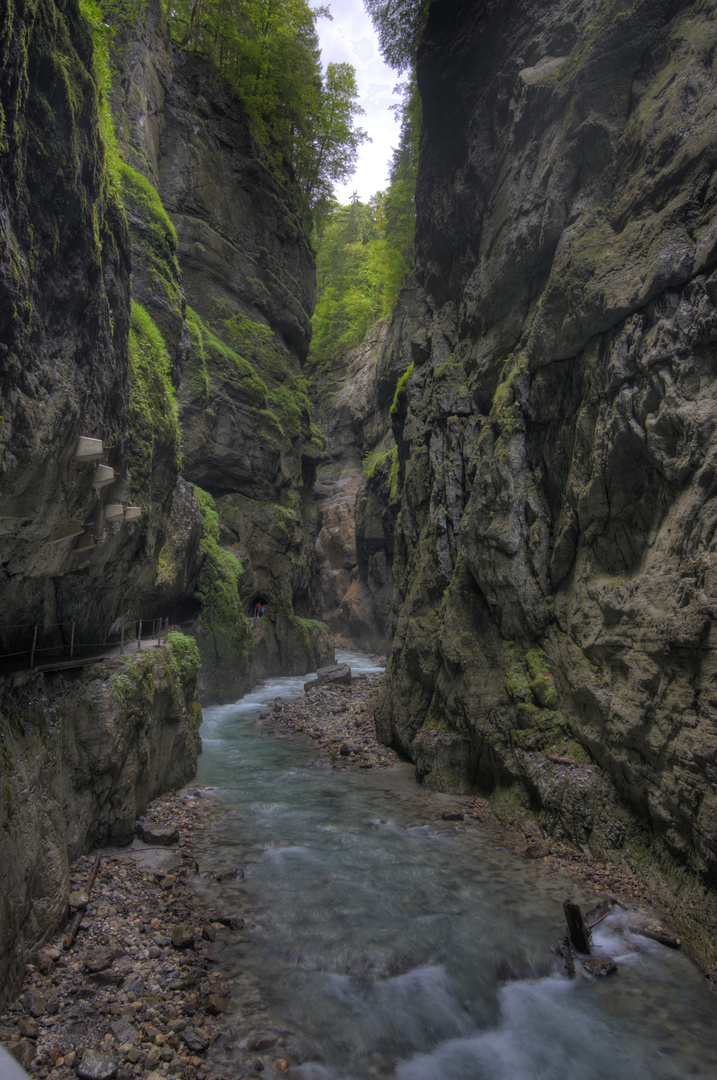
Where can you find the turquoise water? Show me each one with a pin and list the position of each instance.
(378, 937)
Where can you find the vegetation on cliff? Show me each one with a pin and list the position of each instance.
(221, 620)
(153, 417)
(365, 251)
(268, 53)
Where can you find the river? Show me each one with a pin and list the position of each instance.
(378, 937)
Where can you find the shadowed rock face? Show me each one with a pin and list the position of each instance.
(83, 755)
(240, 253)
(355, 507)
(555, 595)
(64, 313)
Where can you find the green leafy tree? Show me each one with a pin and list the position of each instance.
(398, 24)
(268, 52)
(329, 154)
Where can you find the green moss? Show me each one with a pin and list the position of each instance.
(185, 659)
(504, 396)
(122, 686)
(401, 391)
(221, 619)
(309, 630)
(291, 407)
(210, 357)
(517, 683)
(319, 437)
(153, 416)
(373, 461)
(541, 679)
(102, 33)
(286, 520)
(158, 237)
(133, 686)
(393, 478)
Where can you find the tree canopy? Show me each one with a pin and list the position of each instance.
(268, 52)
(365, 251)
(398, 24)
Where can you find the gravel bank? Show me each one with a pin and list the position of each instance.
(134, 996)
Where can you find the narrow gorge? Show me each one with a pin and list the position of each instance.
(509, 486)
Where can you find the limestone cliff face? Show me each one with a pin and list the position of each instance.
(221, 291)
(234, 309)
(356, 494)
(553, 616)
(64, 315)
(81, 757)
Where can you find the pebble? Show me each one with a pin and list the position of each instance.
(132, 995)
(97, 1066)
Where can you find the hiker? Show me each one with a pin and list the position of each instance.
(263, 608)
(259, 609)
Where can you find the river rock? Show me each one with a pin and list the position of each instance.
(29, 1027)
(35, 1003)
(261, 1043)
(124, 1032)
(23, 1050)
(599, 966)
(183, 937)
(162, 835)
(96, 1065)
(99, 959)
(195, 1040)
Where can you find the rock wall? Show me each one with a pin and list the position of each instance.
(64, 317)
(356, 506)
(81, 756)
(553, 618)
(216, 313)
(234, 310)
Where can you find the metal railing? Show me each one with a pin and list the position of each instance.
(61, 641)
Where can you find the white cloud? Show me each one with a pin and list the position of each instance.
(349, 38)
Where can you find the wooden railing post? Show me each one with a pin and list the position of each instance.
(139, 635)
(32, 650)
(122, 640)
(72, 640)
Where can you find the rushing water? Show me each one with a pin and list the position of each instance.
(379, 938)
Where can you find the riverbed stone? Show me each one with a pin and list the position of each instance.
(183, 937)
(163, 835)
(35, 1003)
(96, 1065)
(195, 1040)
(23, 1050)
(99, 959)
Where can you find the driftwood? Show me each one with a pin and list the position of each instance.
(598, 913)
(564, 951)
(77, 918)
(577, 929)
(656, 933)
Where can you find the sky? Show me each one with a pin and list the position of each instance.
(350, 37)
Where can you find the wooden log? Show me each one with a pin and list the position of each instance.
(576, 927)
(77, 918)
